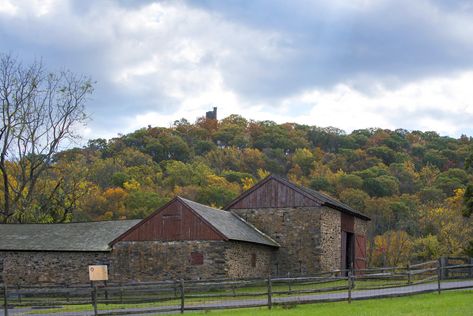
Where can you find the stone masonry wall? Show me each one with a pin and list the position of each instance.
(331, 241)
(140, 261)
(49, 267)
(361, 226)
(297, 230)
(239, 260)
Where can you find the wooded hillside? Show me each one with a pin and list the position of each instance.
(410, 183)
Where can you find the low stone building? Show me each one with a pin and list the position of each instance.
(183, 239)
(275, 227)
(315, 232)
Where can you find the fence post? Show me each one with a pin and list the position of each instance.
(121, 293)
(289, 281)
(5, 299)
(471, 268)
(443, 265)
(409, 281)
(353, 272)
(270, 292)
(439, 274)
(233, 287)
(349, 286)
(106, 292)
(18, 293)
(181, 288)
(94, 298)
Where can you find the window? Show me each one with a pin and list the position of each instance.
(197, 258)
(253, 260)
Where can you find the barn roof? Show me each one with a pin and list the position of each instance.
(88, 236)
(316, 196)
(230, 225)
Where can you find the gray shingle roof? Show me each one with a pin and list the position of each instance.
(90, 236)
(330, 201)
(230, 225)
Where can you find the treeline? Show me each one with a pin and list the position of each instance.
(410, 183)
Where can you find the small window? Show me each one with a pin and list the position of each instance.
(253, 260)
(197, 258)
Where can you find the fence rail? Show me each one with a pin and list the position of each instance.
(186, 295)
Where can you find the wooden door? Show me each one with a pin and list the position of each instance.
(360, 252)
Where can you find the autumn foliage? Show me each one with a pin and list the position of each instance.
(411, 183)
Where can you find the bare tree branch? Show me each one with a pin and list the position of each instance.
(39, 113)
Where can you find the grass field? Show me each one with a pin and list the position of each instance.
(447, 303)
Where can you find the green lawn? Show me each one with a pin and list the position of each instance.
(447, 303)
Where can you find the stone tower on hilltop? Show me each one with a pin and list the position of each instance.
(211, 115)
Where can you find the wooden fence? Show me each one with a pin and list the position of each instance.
(187, 295)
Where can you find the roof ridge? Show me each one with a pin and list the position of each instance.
(72, 223)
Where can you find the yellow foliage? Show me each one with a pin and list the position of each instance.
(216, 180)
(262, 173)
(131, 185)
(393, 248)
(247, 183)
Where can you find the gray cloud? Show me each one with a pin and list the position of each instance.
(162, 56)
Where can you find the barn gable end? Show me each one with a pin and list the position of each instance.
(174, 221)
(276, 192)
(272, 193)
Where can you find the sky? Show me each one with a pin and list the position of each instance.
(348, 64)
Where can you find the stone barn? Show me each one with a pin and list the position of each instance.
(182, 239)
(56, 253)
(190, 240)
(315, 232)
(275, 227)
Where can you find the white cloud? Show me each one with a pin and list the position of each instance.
(161, 61)
(7, 7)
(440, 104)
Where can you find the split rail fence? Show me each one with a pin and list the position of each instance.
(190, 295)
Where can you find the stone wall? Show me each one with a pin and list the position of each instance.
(297, 230)
(330, 226)
(245, 260)
(141, 261)
(361, 226)
(34, 267)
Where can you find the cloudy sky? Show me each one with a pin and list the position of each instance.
(349, 64)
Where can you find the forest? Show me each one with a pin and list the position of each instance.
(414, 185)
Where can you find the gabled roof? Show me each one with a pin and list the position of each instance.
(229, 224)
(316, 196)
(89, 236)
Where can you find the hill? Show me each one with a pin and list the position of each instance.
(411, 183)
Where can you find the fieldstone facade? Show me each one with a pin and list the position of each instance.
(141, 262)
(330, 243)
(245, 260)
(35, 267)
(361, 227)
(154, 260)
(303, 233)
(310, 237)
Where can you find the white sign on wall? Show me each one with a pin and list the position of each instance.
(98, 273)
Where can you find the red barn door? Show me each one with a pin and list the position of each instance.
(360, 252)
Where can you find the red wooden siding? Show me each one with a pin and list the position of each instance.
(174, 222)
(273, 194)
(360, 252)
(348, 223)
